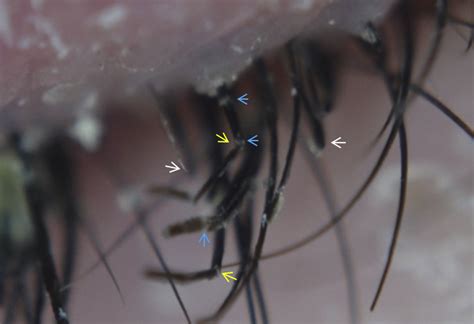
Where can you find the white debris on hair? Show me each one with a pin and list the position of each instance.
(87, 130)
(127, 199)
(313, 148)
(111, 17)
(368, 36)
(62, 314)
(264, 220)
(209, 87)
(280, 200)
(293, 92)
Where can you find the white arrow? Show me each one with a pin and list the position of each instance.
(336, 142)
(174, 167)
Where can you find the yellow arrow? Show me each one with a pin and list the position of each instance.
(223, 138)
(227, 276)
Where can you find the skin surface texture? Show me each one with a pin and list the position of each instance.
(84, 67)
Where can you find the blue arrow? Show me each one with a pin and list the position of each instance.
(253, 140)
(243, 99)
(204, 239)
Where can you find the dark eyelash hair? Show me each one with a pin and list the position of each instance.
(35, 198)
(310, 70)
(398, 87)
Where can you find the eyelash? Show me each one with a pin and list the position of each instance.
(230, 186)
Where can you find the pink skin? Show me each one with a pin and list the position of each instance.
(182, 42)
(56, 54)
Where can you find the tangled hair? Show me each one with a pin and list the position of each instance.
(293, 90)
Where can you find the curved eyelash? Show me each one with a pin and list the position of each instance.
(438, 104)
(377, 48)
(443, 108)
(231, 181)
(398, 128)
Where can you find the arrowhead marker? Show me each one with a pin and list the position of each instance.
(223, 138)
(227, 276)
(203, 239)
(243, 99)
(336, 142)
(253, 140)
(173, 167)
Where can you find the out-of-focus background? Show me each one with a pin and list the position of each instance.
(431, 279)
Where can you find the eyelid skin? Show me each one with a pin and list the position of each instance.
(238, 186)
(64, 58)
